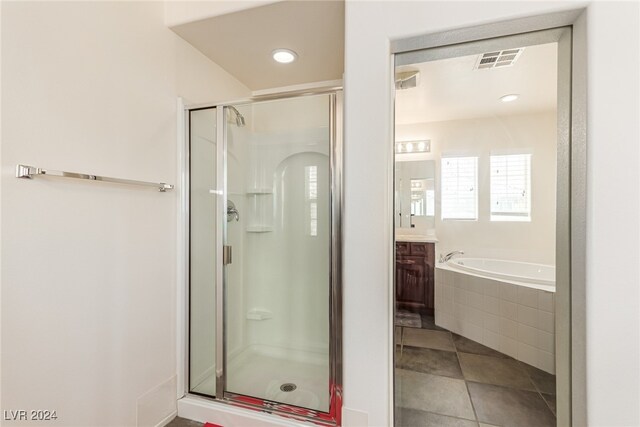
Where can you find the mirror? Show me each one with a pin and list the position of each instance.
(415, 194)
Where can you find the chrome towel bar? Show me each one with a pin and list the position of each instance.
(24, 171)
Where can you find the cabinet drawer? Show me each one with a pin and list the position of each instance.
(402, 248)
(421, 248)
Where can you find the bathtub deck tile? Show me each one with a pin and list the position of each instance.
(546, 341)
(527, 335)
(528, 316)
(473, 331)
(448, 292)
(475, 284)
(546, 321)
(475, 316)
(528, 297)
(460, 296)
(491, 305)
(545, 301)
(508, 292)
(491, 323)
(509, 346)
(509, 328)
(509, 310)
(490, 288)
(475, 300)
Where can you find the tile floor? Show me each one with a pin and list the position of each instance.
(183, 422)
(443, 379)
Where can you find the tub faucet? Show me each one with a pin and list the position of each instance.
(447, 257)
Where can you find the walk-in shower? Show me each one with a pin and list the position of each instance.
(264, 236)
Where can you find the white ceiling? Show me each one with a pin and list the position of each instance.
(450, 89)
(242, 42)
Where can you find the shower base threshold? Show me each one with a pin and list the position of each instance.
(205, 410)
(286, 376)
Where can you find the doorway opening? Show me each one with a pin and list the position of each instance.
(481, 230)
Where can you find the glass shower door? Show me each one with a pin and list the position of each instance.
(203, 251)
(277, 231)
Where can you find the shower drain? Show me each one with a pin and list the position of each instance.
(287, 387)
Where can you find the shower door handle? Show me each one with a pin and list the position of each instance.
(226, 255)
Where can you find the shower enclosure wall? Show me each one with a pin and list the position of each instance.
(264, 291)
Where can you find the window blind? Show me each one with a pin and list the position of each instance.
(511, 187)
(459, 177)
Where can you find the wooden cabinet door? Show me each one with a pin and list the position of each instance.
(415, 262)
(411, 281)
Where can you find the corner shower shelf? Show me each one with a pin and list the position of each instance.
(257, 191)
(258, 314)
(220, 192)
(259, 229)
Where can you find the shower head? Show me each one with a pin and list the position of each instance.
(240, 122)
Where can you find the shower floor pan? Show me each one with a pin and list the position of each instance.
(268, 372)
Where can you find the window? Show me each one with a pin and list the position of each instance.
(422, 197)
(311, 195)
(459, 187)
(511, 187)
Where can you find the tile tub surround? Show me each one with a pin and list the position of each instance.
(514, 320)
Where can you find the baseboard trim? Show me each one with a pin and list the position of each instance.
(168, 419)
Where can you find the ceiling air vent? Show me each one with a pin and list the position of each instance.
(407, 79)
(498, 59)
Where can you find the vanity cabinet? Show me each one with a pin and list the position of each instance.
(414, 275)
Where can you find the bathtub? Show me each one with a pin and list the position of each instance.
(505, 305)
(520, 273)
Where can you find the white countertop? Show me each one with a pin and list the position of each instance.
(421, 238)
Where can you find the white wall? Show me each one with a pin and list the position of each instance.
(613, 307)
(183, 11)
(89, 277)
(613, 231)
(533, 134)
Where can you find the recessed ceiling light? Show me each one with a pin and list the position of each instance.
(509, 98)
(284, 56)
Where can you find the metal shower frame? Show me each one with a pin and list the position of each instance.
(333, 416)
